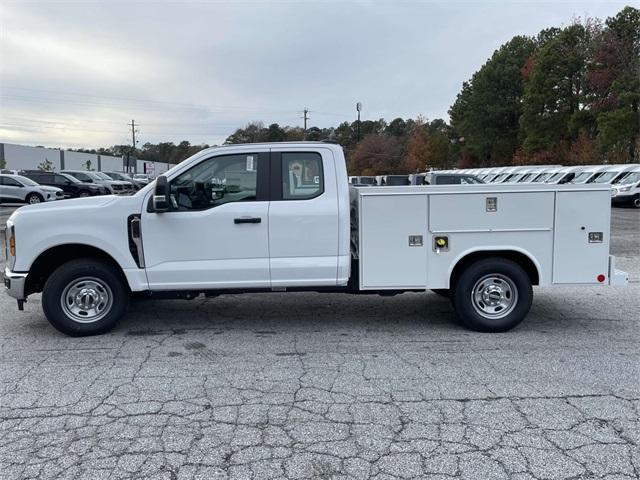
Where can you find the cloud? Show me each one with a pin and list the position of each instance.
(75, 73)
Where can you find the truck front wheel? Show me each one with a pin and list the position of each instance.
(84, 297)
(492, 295)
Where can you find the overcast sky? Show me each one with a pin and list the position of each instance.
(74, 73)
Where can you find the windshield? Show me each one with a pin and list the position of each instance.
(606, 177)
(525, 177)
(514, 178)
(26, 181)
(581, 177)
(71, 178)
(542, 177)
(554, 177)
(631, 177)
(140, 176)
(102, 176)
(468, 179)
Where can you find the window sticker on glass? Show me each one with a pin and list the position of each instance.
(251, 163)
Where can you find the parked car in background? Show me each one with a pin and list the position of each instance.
(394, 180)
(91, 177)
(363, 181)
(612, 173)
(514, 175)
(16, 188)
(588, 174)
(124, 177)
(142, 178)
(544, 175)
(71, 186)
(127, 187)
(530, 173)
(564, 175)
(626, 191)
(437, 178)
(492, 173)
(416, 179)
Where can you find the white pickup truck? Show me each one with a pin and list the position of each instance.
(282, 217)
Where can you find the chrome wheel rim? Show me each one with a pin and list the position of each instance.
(86, 300)
(494, 296)
(33, 199)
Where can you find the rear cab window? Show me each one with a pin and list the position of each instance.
(302, 175)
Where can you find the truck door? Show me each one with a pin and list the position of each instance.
(303, 218)
(216, 232)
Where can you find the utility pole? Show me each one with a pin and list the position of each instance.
(133, 135)
(133, 145)
(304, 132)
(358, 108)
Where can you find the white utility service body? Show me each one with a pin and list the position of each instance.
(282, 216)
(548, 224)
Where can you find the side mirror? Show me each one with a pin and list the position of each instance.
(161, 195)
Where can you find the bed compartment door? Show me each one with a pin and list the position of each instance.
(389, 259)
(576, 259)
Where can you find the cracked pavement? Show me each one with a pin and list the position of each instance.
(304, 385)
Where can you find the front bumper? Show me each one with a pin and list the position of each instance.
(15, 284)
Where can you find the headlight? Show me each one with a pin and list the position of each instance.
(625, 189)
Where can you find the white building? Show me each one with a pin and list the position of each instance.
(22, 157)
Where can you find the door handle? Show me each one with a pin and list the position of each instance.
(247, 220)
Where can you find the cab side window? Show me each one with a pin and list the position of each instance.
(302, 176)
(59, 180)
(216, 181)
(10, 182)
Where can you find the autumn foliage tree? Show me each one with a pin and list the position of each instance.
(376, 155)
(574, 98)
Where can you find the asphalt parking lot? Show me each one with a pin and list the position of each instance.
(330, 386)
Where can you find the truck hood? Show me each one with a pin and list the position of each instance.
(76, 207)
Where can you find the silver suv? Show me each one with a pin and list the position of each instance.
(16, 188)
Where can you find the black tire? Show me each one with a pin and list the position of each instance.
(443, 292)
(84, 193)
(496, 279)
(636, 201)
(98, 279)
(34, 199)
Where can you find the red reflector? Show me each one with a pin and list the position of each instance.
(601, 278)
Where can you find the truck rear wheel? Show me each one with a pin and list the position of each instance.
(492, 295)
(84, 297)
